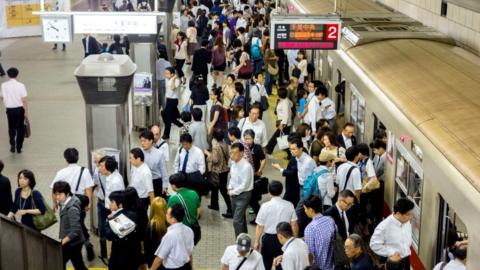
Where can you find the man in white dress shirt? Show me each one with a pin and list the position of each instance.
(393, 236)
(160, 143)
(80, 179)
(295, 251)
(327, 106)
(190, 160)
(14, 96)
(240, 187)
(99, 181)
(253, 122)
(156, 162)
(305, 163)
(175, 250)
(141, 179)
(270, 215)
(108, 167)
(242, 254)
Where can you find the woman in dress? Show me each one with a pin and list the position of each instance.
(219, 61)
(217, 118)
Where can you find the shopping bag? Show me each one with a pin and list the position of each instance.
(282, 142)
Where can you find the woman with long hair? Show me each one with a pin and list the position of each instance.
(181, 46)
(219, 61)
(156, 228)
(331, 145)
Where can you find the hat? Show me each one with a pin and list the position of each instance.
(326, 156)
(244, 242)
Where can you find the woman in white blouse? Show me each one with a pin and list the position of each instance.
(302, 65)
(192, 40)
(181, 45)
(284, 119)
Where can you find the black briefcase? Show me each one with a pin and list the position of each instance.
(261, 185)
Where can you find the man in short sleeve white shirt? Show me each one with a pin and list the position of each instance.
(108, 167)
(354, 181)
(326, 105)
(141, 177)
(253, 122)
(270, 215)
(14, 96)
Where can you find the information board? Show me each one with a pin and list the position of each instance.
(308, 32)
(19, 12)
(115, 23)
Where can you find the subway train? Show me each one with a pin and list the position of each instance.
(397, 77)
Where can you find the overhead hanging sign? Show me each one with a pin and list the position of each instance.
(114, 23)
(313, 32)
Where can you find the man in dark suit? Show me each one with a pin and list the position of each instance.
(90, 45)
(201, 58)
(346, 139)
(339, 212)
(5, 193)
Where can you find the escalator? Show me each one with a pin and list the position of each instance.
(22, 248)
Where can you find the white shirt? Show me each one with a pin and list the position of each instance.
(325, 185)
(347, 223)
(241, 22)
(164, 149)
(169, 93)
(232, 258)
(157, 164)
(355, 179)
(292, 57)
(312, 115)
(305, 165)
(284, 112)
(256, 92)
(273, 212)
(13, 92)
(391, 236)
(258, 127)
(327, 107)
(142, 180)
(195, 162)
(452, 265)
(99, 180)
(114, 182)
(70, 175)
(295, 254)
(176, 246)
(368, 170)
(348, 141)
(241, 177)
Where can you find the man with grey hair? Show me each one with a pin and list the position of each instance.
(160, 143)
(354, 249)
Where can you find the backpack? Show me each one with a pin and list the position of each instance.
(310, 185)
(255, 51)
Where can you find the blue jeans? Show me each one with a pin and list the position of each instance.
(257, 66)
(102, 223)
(269, 79)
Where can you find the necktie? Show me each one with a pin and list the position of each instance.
(185, 161)
(343, 220)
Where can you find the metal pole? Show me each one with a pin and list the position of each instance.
(156, 5)
(335, 6)
(42, 5)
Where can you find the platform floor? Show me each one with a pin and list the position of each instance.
(57, 116)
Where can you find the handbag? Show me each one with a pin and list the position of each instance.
(282, 141)
(28, 131)
(261, 185)
(46, 220)
(264, 103)
(246, 71)
(84, 200)
(273, 70)
(213, 178)
(339, 256)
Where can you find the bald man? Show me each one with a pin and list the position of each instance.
(160, 143)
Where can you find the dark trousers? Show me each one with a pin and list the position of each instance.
(74, 254)
(187, 266)
(102, 223)
(239, 206)
(145, 203)
(179, 66)
(273, 140)
(404, 261)
(223, 190)
(83, 214)
(157, 188)
(16, 126)
(255, 199)
(271, 248)
(170, 115)
(2, 72)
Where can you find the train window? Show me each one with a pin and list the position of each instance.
(409, 183)
(357, 112)
(451, 231)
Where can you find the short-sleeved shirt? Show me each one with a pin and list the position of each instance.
(169, 93)
(70, 175)
(191, 200)
(176, 246)
(13, 92)
(142, 180)
(273, 212)
(355, 179)
(367, 168)
(258, 155)
(232, 258)
(221, 120)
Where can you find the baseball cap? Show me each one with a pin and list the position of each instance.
(326, 156)
(244, 242)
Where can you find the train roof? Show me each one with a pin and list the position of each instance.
(436, 85)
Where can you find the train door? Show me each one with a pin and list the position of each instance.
(409, 184)
(451, 231)
(357, 113)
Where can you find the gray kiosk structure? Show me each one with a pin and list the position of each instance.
(105, 81)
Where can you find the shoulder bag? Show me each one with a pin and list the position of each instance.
(246, 71)
(46, 220)
(339, 256)
(197, 231)
(84, 200)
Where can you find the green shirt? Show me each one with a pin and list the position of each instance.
(191, 200)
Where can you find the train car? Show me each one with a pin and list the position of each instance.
(423, 91)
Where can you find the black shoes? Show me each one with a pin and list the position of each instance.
(213, 208)
(90, 252)
(12, 149)
(19, 151)
(227, 215)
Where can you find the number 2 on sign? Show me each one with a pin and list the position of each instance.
(332, 31)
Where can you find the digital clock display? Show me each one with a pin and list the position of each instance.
(320, 35)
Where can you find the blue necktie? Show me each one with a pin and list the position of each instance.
(185, 161)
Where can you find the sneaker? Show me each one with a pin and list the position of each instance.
(250, 211)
